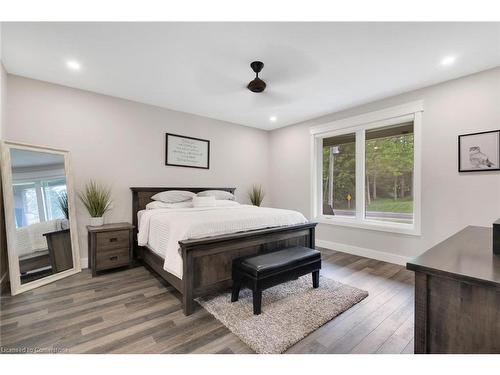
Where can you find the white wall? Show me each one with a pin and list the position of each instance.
(3, 244)
(450, 200)
(3, 96)
(122, 143)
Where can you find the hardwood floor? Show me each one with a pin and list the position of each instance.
(132, 311)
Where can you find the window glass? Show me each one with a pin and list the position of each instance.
(389, 173)
(339, 175)
(52, 191)
(38, 201)
(26, 205)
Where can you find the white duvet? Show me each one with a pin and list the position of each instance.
(162, 229)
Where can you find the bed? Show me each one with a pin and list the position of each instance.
(206, 261)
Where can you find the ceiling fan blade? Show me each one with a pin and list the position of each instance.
(270, 99)
(216, 82)
(278, 69)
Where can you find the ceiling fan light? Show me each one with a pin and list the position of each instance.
(257, 85)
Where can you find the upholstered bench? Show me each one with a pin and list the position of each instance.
(263, 271)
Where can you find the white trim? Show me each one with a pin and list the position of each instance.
(364, 252)
(366, 118)
(380, 123)
(359, 124)
(316, 167)
(382, 226)
(360, 175)
(84, 263)
(417, 173)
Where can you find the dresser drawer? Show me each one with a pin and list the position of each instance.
(112, 258)
(112, 240)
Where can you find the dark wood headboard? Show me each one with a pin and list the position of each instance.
(141, 196)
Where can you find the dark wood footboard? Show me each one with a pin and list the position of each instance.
(207, 262)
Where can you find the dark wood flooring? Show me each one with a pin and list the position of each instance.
(132, 311)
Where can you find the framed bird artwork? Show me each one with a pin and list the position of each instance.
(479, 151)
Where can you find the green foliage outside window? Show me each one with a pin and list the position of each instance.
(388, 174)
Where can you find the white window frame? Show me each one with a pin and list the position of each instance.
(41, 198)
(359, 125)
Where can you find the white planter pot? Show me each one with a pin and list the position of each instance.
(96, 221)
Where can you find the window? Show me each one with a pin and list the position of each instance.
(367, 171)
(339, 175)
(389, 173)
(37, 201)
(52, 191)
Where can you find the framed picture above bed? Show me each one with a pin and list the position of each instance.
(182, 151)
(479, 151)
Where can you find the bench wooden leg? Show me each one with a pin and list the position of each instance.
(235, 294)
(257, 301)
(315, 276)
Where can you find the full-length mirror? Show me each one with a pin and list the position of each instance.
(40, 218)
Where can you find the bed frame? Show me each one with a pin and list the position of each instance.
(207, 261)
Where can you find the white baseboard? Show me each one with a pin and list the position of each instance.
(84, 263)
(364, 252)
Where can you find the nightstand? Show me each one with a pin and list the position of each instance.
(110, 246)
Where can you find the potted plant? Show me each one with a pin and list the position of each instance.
(97, 199)
(62, 201)
(256, 195)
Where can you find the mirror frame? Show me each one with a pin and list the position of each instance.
(8, 195)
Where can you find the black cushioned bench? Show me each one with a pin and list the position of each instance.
(263, 271)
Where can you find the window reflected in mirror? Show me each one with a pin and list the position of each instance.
(43, 243)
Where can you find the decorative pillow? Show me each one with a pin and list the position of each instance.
(204, 201)
(158, 204)
(218, 194)
(173, 196)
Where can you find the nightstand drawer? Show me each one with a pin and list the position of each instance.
(112, 240)
(112, 258)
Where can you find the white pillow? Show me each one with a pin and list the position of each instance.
(218, 194)
(223, 203)
(203, 201)
(173, 196)
(158, 204)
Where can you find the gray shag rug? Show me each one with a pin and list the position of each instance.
(290, 312)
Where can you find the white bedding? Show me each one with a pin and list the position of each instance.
(162, 229)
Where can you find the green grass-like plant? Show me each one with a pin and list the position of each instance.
(96, 198)
(62, 201)
(256, 195)
(403, 205)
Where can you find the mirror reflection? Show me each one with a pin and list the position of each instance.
(43, 242)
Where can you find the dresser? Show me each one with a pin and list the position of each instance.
(60, 250)
(457, 295)
(110, 246)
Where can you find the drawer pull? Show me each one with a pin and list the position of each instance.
(113, 257)
(114, 239)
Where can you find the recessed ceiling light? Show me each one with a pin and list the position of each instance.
(73, 65)
(448, 60)
(273, 118)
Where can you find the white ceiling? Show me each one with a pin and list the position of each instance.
(311, 69)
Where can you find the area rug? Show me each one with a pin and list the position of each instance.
(290, 312)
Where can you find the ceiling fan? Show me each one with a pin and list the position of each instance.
(257, 85)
